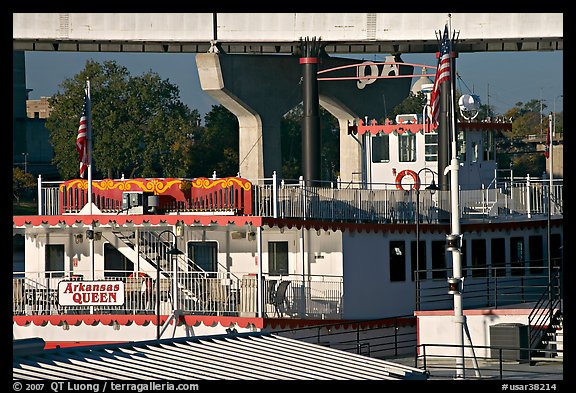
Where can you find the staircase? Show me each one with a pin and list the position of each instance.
(546, 326)
(552, 342)
(152, 253)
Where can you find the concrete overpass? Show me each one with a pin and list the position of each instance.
(250, 86)
(280, 32)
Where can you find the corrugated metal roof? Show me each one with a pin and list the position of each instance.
(242, 356)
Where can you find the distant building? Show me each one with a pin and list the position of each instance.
(38, 109)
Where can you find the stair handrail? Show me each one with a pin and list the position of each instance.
(547, 301)
(164, 248)
(152, 261)
(188, 261)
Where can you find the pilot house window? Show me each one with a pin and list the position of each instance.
(381, 148)
(407, 147)
(431, 147)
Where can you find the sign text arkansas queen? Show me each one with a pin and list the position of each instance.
(91, 293)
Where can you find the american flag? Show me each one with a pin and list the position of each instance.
(547, 147)
(442, 75)
(81, 139)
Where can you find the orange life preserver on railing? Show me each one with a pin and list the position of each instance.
(407, 172)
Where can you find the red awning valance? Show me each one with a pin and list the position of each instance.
(150, 219)
(388, 127)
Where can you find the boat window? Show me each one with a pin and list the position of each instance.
(204, 255)
(498, 257)
(517, 256)
(277, 258)
(418, 264)
(431, 147)
(461, 146)
(397, 261)
(535, 248)
(381, 148)
(439, 259)
(488, 145)
(115, 263)
(556, 250)
(407, 147)
(474, 151)
(478, 256)
(54, 260)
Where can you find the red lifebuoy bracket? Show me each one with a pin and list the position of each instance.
(407, 172)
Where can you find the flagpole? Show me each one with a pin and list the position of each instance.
(549, 215)
(454, 241)
(89, 142)
(89, 168)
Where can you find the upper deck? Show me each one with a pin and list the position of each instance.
(506, 199)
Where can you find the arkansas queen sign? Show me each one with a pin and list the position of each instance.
(91, 293)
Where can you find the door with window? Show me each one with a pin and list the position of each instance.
(278, 258)
(54, 260)
(204, 255)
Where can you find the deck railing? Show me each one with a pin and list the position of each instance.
(199, 293)
(357, 202)
(488, 286)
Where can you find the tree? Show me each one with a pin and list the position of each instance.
(216, 146)
(21, 182)
(527, 119)
(413, 104)
(139, 125)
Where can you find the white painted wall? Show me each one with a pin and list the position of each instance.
(368, 291)
(441, 329)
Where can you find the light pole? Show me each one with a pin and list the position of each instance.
(433, 188)
(172, 252)
(25, 162)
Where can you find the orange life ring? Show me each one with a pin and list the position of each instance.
(407, 172)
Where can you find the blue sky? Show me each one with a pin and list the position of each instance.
(499, 78)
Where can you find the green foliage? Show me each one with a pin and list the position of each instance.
(414, 103)
(21, 182)
(533, 164)
(216, 145)
(527, 119)
(139, 125)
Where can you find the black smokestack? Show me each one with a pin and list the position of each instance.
(310, 50)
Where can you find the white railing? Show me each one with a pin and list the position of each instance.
(200, 293)
(385, 204)
(382, 203)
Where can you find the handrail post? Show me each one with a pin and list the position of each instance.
(39, 195)
(395, 337)
(274, 195)
(500, 362)
(424, 354)
(496, 291)
(528, 207)
(358, 338)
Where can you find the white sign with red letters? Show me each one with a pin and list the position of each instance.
(91, 293)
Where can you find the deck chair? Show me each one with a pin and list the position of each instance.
(218, 297)
(133, 299)
(280, 299)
